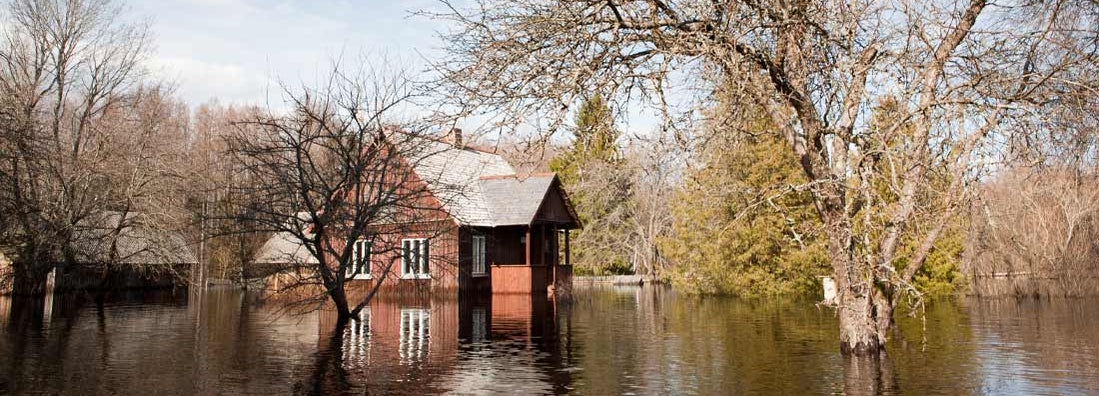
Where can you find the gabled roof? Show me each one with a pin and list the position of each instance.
(515, 200)
(284, 248)
(479, 188)
(137, 242)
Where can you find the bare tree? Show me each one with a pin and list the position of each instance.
(655, 171)
(1034, 234)
(337, 172)
(1033, 228)
(65, 68)
(817, 68)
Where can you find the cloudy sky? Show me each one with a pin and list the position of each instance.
(237, 50)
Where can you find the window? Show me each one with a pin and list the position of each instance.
(415, 331)
(414, 255)
(479, 268)
(360, 260)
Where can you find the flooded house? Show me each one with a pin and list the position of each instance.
(501, 232)
(124, 250)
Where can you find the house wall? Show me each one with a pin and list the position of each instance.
(512, 279)
(507, 248)
(554, 208)
(474, 284)
(158, 276)
(516, 277)
(443, 258)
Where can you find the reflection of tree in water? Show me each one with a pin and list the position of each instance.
(328, 374)
(868, 375)
(933, 349)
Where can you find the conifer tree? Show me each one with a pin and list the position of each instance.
(592, 170)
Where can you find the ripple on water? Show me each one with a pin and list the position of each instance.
(603, 341)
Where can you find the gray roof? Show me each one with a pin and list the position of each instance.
(100, 239)
(454, 176)
(515, 200)
(284, 248)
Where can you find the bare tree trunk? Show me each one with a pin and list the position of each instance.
(857, 308)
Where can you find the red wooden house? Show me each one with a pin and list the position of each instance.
(500, 232)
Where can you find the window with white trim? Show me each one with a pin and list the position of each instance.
(359, 268)
(414, 258)
(479, 265)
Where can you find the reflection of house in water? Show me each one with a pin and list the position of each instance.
(411, 345)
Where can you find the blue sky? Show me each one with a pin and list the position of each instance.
(237, 50)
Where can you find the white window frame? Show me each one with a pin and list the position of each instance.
(415, 258)
(480, 263)
(360, 262)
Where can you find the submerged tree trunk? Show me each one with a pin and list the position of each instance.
(28, 280)
(858, 301)
(339, 298)
(860, 332)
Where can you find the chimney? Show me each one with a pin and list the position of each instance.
(455, 137)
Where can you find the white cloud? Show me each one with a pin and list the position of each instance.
(235, 49)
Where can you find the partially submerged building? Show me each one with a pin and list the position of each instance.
(118, 250)
(499, 232)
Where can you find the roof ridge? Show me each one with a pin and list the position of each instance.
(519, 176)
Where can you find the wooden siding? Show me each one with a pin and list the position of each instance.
(512, 279)
(555, 209)
(443, 257)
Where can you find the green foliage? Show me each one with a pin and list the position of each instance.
(940, 275)
(739, 226)
(591, 171)
(593, 139)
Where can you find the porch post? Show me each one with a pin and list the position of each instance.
(568, 254)
(529, 242)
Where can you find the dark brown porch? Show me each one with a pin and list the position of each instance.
(531, 259)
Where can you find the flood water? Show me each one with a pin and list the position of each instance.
(603, 341)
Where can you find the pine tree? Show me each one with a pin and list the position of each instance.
(591, 171)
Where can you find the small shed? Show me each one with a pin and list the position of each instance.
(125, 250)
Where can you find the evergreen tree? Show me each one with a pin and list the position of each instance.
(591, 171)
(941, 273)
(740, 226)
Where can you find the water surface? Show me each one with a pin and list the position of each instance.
(602, 341)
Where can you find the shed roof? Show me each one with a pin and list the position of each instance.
(136, 242)
(516, 200)
(284, 248)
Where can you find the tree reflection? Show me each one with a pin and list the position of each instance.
(329, 375)
(869, 375)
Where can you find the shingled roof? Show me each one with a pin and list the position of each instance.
(515, 200)
(136, 241)
(479, 188)
(284, 248)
